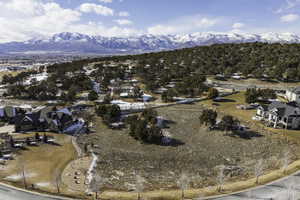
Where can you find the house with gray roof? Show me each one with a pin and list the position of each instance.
(280, 115)
(293, 95)
(50, 119)
(8, 113)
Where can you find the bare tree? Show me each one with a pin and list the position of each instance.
(285, 161)
(139, 185)
(183, 182)
(96, 184)
(57, 180)
(221, 178)
(23, 172)
(258, 170)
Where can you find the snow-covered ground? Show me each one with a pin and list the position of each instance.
(7, 129)
(15, 177)
(90, 173)
(43, 184)
(38, 77)
(125, 106)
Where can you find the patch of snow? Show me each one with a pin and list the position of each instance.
(15, 177)
(93, 165)
(43, 184)
(38, 77)
(167, 137)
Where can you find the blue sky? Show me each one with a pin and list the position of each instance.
(25, 19)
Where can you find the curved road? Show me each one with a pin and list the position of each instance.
(287, 188)
(12, 193)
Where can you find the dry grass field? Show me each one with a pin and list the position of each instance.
(42, 164)
(199, 153)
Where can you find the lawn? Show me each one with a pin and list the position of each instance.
(42, 164)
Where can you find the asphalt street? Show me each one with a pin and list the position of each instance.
(287, 188)
(9, 193)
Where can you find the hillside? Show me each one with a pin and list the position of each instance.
(187, 67)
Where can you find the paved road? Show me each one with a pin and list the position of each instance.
(9, 193)
(284, 189)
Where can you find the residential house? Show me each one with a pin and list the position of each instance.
(8, 113)
(280, 115)
(50, 119)
(147, 97)
(293, 95)
(28, 122)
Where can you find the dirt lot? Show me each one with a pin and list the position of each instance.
(199, 155)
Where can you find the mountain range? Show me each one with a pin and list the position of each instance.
(76, 43)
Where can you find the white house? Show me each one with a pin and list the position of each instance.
(280, 115)
(293, 94)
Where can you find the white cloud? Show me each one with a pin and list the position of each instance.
(183, 25)
(94, 8)
(26, 19)
(289, 4)
(106, 1)
(124, 14)
(123, 22)
(238, 25)
(289, 18)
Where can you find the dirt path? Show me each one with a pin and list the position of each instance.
(77, 148)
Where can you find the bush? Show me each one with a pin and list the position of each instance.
(144, 128)
(93, 96)
(109, 113)
(208, 117)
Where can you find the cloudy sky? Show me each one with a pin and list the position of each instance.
(24, 19)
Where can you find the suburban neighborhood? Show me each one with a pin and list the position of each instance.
(149, 100)
(109, 102)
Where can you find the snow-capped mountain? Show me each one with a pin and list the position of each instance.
(77, 43)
